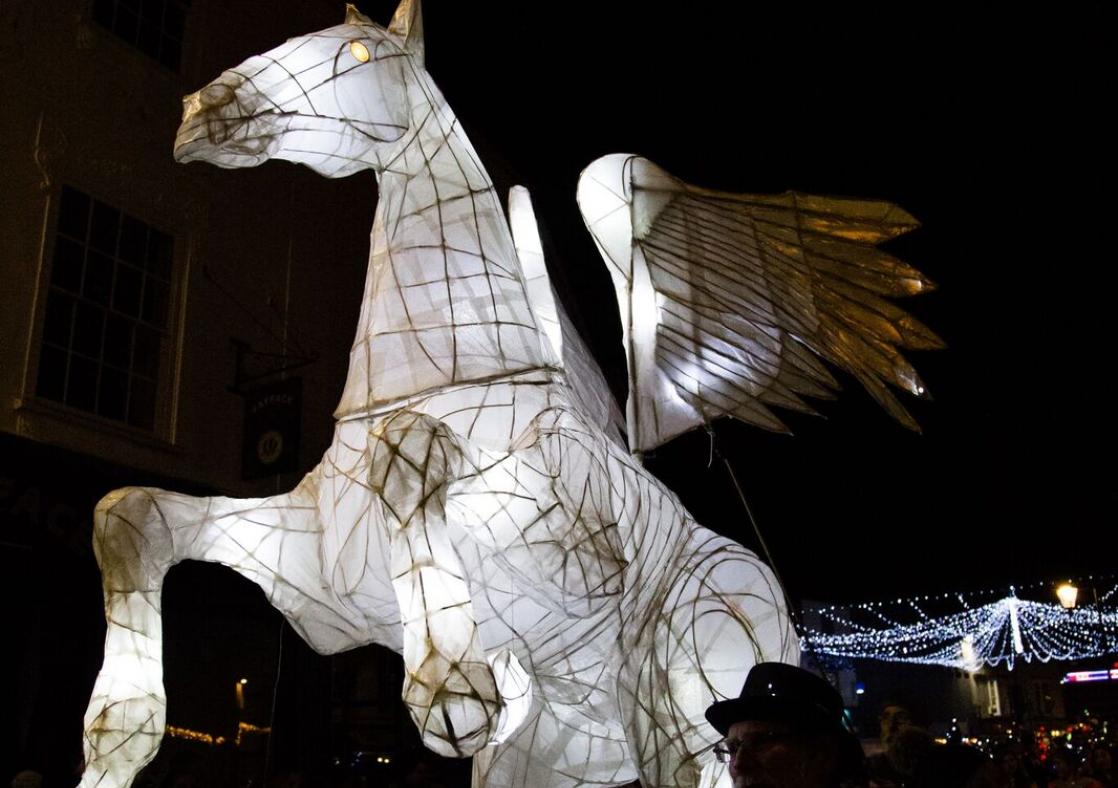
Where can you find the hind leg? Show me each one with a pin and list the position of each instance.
(138, 535)
(721, 613)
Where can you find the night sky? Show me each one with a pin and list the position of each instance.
(988, 128)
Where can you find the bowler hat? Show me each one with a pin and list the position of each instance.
(775, 691)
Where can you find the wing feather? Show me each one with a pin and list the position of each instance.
(731, 302)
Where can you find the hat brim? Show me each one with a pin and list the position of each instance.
(803, 717)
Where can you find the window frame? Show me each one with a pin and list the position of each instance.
(110, 31)
(167, 383)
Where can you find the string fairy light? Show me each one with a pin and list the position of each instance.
(1002, 631)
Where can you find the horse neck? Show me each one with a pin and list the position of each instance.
(445, 301)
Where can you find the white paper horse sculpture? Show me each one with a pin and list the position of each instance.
(560, 615)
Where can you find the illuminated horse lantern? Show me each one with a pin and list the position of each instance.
(560, 615)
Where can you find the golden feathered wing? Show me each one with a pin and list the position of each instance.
(729, 302)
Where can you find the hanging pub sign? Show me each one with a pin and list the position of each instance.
(273, 421)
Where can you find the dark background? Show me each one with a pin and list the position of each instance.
(986, 125)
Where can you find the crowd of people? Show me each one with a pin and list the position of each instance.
(789, 729)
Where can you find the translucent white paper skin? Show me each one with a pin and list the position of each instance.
(560, 615)
(584, 376)
(729, 301)
(529, 249)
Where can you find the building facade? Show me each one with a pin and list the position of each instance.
(154, 316)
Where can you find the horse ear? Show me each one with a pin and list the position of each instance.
(407, 24)
(355, 17)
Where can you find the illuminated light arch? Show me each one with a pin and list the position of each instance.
(1003, 631)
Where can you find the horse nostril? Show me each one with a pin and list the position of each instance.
(210, 98)
(214, 96)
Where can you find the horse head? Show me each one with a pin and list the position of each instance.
(335, 100)
(357, 96)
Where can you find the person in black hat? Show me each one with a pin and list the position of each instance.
(786, 730)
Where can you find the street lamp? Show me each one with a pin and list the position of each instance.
(241, 693)
(1067, 594)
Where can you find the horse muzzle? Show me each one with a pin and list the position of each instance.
(221, 127)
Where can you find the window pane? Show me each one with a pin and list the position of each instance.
(59, 318)
(141, 404)
(145, 355)
(170, 53)
(73, 213)
(148, 41)
(152, 11)
(174, 18)
(52, 373)
(66, 271)
(113, 396)
(126, 294)
(81, 387)
(89, 326)
(107, 306)
(155, 27)
(98, 278)
(133, 241)
(126, 24)
(104, 227)
(118, 341)
(103, 12)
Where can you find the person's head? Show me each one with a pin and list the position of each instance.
(787, 730)
(894, 716)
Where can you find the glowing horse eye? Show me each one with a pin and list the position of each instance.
(359, 51)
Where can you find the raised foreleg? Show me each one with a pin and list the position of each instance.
(449, 687)
(139, 534)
